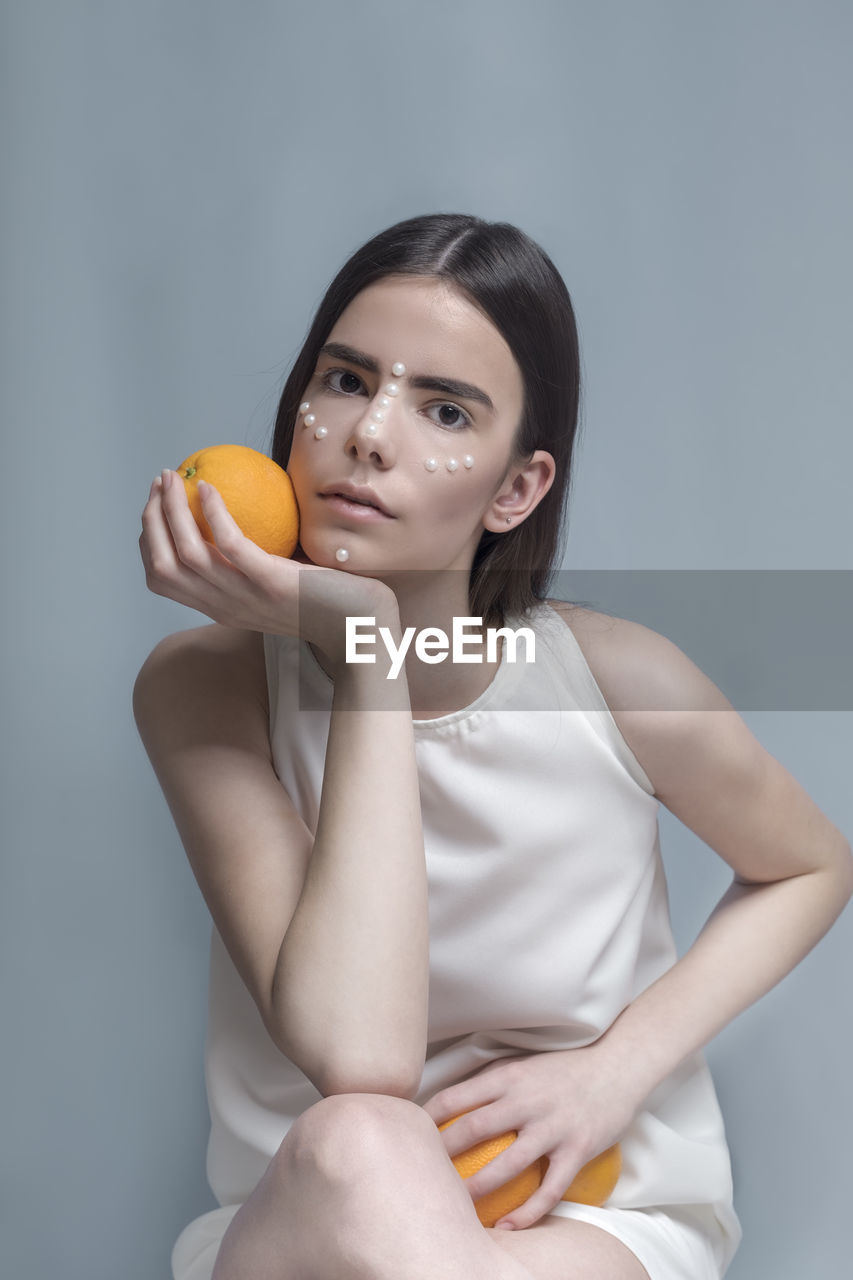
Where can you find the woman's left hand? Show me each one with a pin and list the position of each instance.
(566, 1105)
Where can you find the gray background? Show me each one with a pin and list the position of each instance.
(181, 181)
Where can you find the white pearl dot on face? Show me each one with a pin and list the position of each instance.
(392, 389)
(304, 407)
(370, 429)
(321, 433)
(342, 554)
(377, 415)
(384, 402)
(310, 419)
(468, 461)
(431, 464)
(452, 464)
(398, 369)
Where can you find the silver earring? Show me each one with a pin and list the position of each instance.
(509, 519)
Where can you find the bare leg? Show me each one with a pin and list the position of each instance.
(362, 1189)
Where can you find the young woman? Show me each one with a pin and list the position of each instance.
(440, 891)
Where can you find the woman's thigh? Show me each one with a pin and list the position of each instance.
(558, 1249)
(583, 1243)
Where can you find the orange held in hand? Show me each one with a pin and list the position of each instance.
(593, 1184)
(257, 492)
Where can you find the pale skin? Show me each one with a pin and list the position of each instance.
(336, 958)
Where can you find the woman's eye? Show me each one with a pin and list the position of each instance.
(348, 383)
(451, 416)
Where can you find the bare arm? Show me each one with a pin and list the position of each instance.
(793, 872)
(330, 933)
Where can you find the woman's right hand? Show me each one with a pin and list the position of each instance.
(238, 584)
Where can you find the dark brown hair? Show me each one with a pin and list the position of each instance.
(516, 285)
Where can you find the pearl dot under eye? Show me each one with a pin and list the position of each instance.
(398, 369)
(310, 419)
(392, 389)
(431, 464)
(342, 554)
(452, 464)
(468, 461)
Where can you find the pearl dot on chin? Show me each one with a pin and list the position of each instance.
(321, 432)
(468, 461)
(398, 369)
(342, 554)
(431, 464)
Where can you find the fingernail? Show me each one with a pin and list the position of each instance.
(164, 479)
(505, 1226)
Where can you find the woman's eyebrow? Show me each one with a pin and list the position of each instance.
(424, 382)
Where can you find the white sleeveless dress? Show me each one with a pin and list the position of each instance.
(548, 915)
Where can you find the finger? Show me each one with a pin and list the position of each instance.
(485, 1122)
(463, 1097)
(192, 549)
(230, 539)
(548, 1194)
(515, 1159)
(165, 572)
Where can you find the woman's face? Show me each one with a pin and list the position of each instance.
(417, 397)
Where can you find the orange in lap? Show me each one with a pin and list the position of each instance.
(593, 1184)
(257, 492)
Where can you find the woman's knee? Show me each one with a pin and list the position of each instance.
(346, 1134)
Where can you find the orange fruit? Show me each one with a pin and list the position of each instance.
(593, 1184)
(257, 492)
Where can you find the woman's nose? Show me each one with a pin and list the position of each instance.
(370, 436)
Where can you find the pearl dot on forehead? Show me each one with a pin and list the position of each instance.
(342, 554)
(398, 369)
(431, 464)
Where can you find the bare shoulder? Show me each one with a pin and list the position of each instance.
(636, 668)
(200, 671)
(703, 760)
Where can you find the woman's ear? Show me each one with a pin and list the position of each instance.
(523, 488)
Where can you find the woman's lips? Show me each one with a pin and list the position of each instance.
(353, 510)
